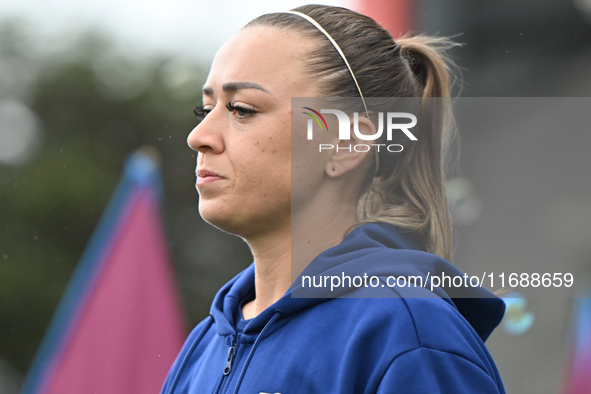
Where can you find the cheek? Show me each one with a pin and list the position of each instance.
(276, 155)
(262, 157)
(263, 164)
(307, 161)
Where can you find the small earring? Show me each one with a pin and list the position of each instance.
(333, 169)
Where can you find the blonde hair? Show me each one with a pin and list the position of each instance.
(411, 192)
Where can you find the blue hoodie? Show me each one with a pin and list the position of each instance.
(409, 340)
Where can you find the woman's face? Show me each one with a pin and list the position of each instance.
(244, 160)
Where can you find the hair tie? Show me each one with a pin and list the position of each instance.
(338, 48)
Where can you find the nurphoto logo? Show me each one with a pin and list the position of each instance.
(392, 124)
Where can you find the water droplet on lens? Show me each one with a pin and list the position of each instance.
(517, 319)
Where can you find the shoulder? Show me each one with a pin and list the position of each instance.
(427, 343)
(426, 370)
(402, 324)
(400, 337)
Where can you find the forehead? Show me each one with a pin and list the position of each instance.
(271, 57)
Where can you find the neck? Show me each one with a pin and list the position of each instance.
(272, 261)
(281, 256)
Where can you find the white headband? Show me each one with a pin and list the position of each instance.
(338, 48)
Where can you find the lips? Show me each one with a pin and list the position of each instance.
(206, 176)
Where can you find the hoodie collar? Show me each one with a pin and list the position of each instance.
(375, 249)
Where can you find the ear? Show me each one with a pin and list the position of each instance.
(349, 155)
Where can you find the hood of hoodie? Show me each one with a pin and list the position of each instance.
(372, 249)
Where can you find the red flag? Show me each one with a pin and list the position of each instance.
(119, 326)
(396, 16)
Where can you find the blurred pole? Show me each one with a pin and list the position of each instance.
(119, 325)
(396, 16)
(578, 376)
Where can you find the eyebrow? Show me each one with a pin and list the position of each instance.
(234, 86)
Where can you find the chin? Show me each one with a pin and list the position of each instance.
(220, 218)
(223, 225)
(243, 219)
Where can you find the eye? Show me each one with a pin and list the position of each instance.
(200, 111)
(239, 111)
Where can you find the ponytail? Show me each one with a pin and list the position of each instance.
(410, 191)
(428, 60)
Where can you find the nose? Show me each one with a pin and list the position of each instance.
(205, 137)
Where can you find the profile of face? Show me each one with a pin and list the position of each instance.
(244, 142)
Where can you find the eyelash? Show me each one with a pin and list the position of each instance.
(237, 109)
(201, 112)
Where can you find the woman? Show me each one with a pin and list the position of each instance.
(261, 338)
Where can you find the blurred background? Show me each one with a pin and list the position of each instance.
(85, 84)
